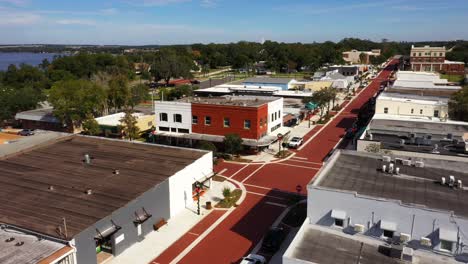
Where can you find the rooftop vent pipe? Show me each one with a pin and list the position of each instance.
(87, 159)
(89, 191)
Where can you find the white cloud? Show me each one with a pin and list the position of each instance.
(209, 3)
(109, 11)
(16, 2)
(18, 18)
(83, 22)
(155, 2)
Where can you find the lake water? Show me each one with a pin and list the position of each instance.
(7, 58)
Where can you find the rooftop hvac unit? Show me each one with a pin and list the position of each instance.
(451, 180)
(459, 184)
(390, 168)
(386, 158)
(406, 162)
(397, 170)
(426, 242)
(443, 181)
(419, 164)
(450, 136)
(384, 168)
(402, 142)
(407, 254)
(358, 228)
(404, 237)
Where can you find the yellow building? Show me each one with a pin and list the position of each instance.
(109, 124)
(317, 85)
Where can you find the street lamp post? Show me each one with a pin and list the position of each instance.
(198, 190)
(298, 189)
(280, 137)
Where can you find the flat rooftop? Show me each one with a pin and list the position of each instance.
(322, 245)
(325, 248)
(397, 97)
(245, 101)
(414, 124)
(28, 201)
(267, 80)
(31, 251)
(361, 173)
(41, 114)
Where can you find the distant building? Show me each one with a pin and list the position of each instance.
(317, 85)
(42, 118)
(109, 124)
(412, 105)
(251, 90)
(422, 83)
(369, 208)
(256, 119)
(339, 80)
(346, 70)
(283, 83)
(354, 56)
(84, 200)
(432, 59)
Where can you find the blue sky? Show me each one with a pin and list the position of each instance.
(141, 22)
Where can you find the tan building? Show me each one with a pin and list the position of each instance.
(353, 56)
(432, 59)
(412, 105)
(317, 85)
(110, 123)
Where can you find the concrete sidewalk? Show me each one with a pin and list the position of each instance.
(157, 242)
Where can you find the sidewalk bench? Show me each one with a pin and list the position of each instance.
(159, 224)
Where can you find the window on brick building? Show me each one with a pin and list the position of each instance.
(163, 116)
(208, 120)
(272, 117)
(194, 119)
(177, 118)
(227, 122)
(385, 110)
(419, 54)
(247, 124)
(441, 54)
(420, 111)
(436, 113)
(412, 110)
(414, 54)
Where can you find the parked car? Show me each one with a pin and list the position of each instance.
(273, 239)
(295, 142)
(26, 132)
(253, 259)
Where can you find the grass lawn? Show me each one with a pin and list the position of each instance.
(228, 203)
(452, 78)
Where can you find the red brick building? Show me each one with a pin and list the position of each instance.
(257, 120)
(248, 122)
(432, 59)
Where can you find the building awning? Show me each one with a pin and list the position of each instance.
(447, 235)
(338, 214)
(108, 231)
(387, 225)
(141, 216)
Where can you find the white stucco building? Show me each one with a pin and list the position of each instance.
(384, 210)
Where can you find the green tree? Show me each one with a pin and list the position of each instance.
(129, 126)
(91, 126)
(139, 93)
(168, 64)
(458, 105)
(206, 145)
(118, 94)
(14, 100)
(73, 100)
(321, 98)
(232, 144)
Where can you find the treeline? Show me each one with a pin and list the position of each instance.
(78, 87)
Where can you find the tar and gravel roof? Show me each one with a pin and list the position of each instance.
(25, 178)
(267, 80)
(244, 101)
(359, 172)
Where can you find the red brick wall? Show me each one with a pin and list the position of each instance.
(454, 68)
(236, 114)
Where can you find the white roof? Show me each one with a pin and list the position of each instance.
(417, 119)
(424, 100)
(447, 235)
(338, 214)
(293, 93)
(114, 119)
(387, 225)
(402, 84)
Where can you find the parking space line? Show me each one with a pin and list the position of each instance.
(286, 164)
(238, 171)
(251, 174)
(277, 204)
(256, 186)
(266, 195)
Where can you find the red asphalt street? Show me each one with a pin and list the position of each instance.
(268, 186)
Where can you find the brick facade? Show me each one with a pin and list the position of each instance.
(237, 115)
